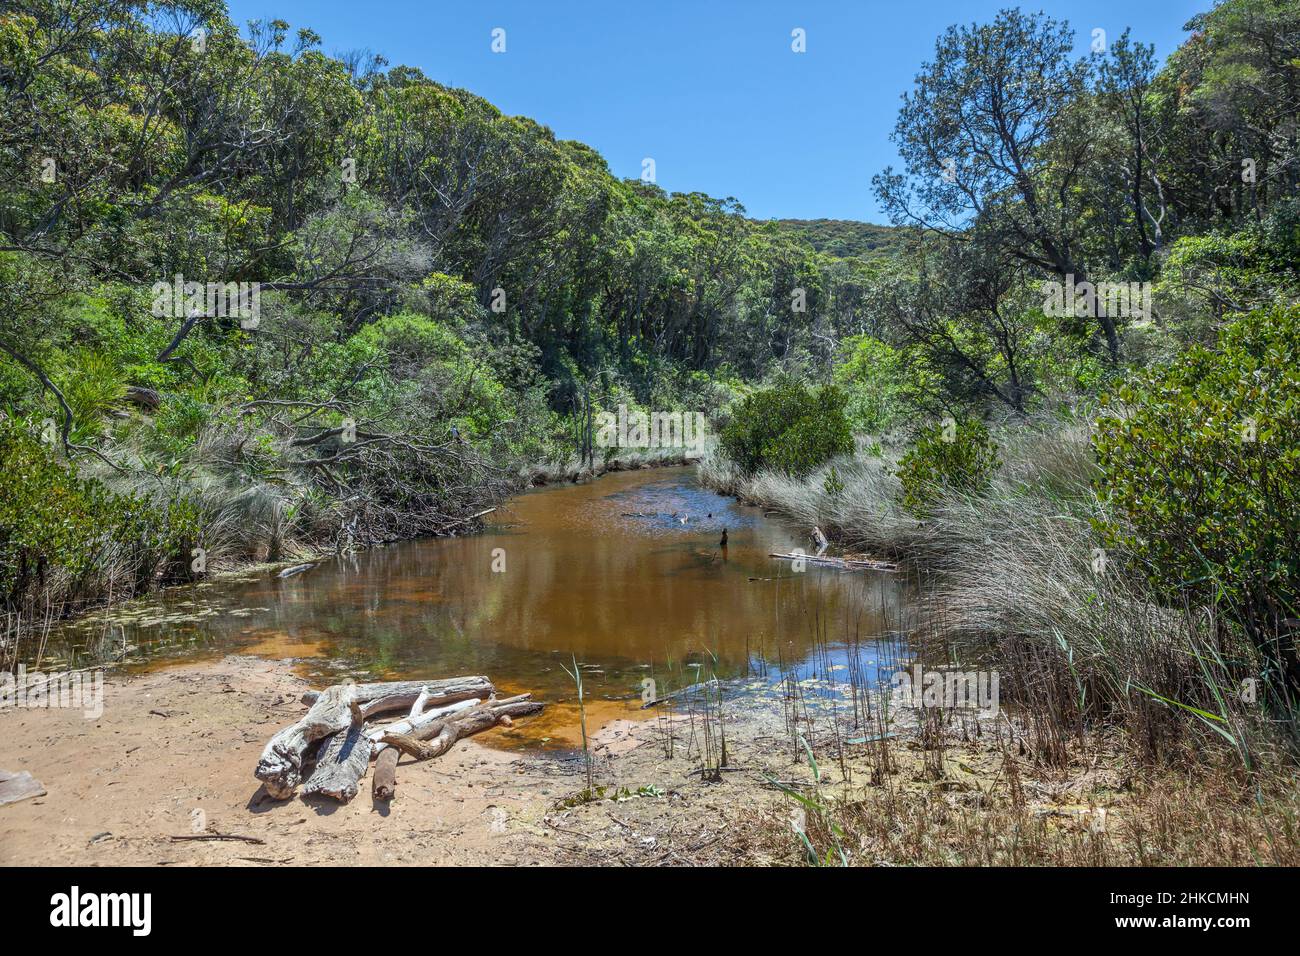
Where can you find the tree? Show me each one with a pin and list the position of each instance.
(1201, 474)
(994, 151)
(970, 319)
(1124, 91)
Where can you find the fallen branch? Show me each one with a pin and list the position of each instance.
(418, 722)
(384, 784)
(452, 524)
(458, 727)
(844, 564)
(218, 836)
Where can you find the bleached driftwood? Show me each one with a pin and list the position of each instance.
(412, 724)
(442, 735)
(445, 691)
(18, 786)
(384, 783)
(341, 763)
(281, 764)
(443, 711)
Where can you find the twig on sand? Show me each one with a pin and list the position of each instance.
(219, 836)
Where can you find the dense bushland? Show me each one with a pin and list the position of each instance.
(448, 296)
(1078, 392)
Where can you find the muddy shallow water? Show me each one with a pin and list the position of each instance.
(624, 574)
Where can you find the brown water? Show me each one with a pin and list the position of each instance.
(625, 575)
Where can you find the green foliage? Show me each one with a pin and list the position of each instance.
(1223, 272)
(948, 456)
(56, 524)
(1201, 469)
(872, 376)
(380, 300)
(833, 484)
(846, 238)
(92, 384)
(788, 428)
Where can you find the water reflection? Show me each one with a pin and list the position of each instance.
(624, 574)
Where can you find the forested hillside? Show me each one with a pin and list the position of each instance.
(846, 238)
(445, 294)
(1075, 403)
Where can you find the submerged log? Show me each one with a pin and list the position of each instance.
(844, 564)
(693, 688)
(280, 767)
(446, 691)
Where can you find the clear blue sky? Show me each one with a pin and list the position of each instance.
(709, 88)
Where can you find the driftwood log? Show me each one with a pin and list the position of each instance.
(440, 691)
(342, 762)
(281, 766)
(18, 786)
(384, 784)
(442, 734)
(336, 729)
(419, 721)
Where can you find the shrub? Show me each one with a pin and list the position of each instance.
(788, 428)
(1201, 472)
(56, 525)
(947, 456)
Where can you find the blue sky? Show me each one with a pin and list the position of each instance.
(709, 88)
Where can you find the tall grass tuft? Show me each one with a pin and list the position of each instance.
(1014, 579)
